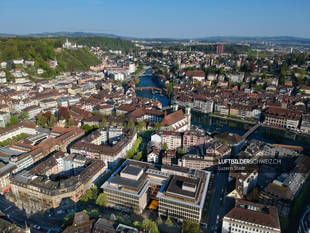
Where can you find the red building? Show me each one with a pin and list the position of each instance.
(220, 49)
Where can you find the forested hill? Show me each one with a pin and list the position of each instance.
(28, 48)
(41, 50)
(106, 43)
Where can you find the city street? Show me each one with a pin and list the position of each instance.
(19, 217)
(218, 205)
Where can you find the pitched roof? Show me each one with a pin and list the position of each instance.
(195, 73)
(262, 215)
(173, 118)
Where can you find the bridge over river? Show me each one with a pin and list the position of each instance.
(148, 88)
(250, 131)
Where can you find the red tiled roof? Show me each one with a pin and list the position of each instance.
(173, 118)
(126, 108)
(269, 217)
(195, 73)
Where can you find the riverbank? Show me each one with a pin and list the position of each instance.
(286, 130)
(217, 123)
(253, 123)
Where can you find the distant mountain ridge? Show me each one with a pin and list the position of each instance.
(203, 39)
(64, 34)
(256, 38)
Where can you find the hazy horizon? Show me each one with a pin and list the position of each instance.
(158, 19)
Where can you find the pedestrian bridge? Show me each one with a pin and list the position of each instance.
(147, 88)
(250, 131)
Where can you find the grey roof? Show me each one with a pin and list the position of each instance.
(6, 168)
(175, 184)
(133, 184)
(132, 170)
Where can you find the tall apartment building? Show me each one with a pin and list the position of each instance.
(195, 138)
(172, 139)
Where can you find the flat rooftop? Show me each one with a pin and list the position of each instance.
(124, 182)
(180, 184)
(132, 170)
(177, 184)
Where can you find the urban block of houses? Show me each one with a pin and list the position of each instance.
(108, 144)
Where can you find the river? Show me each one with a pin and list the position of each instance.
(214, 124)
(147, 81)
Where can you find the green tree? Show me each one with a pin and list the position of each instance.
(138, 156)
(168, 222)
(70, 122)
(13, 121)
(93, 214)
(169, 87)
(189, 226)
(23, 116)
(95, 191)
(180, 152)
(87, 196)
(222, 70)
(137, 80)
(283, 69)
(137, 224)
(103, 123)
(131, 124)
(165, 146)
(52, 121)
(159, 220)
(141, 125)
(41, 120)
(68, 220)
(150, 226)
(102, 200)
(157, 125)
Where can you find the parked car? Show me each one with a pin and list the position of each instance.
(37, 227)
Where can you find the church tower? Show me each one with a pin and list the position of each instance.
(188, 116)
(175, 105)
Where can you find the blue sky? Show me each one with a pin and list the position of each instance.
(158, 18)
